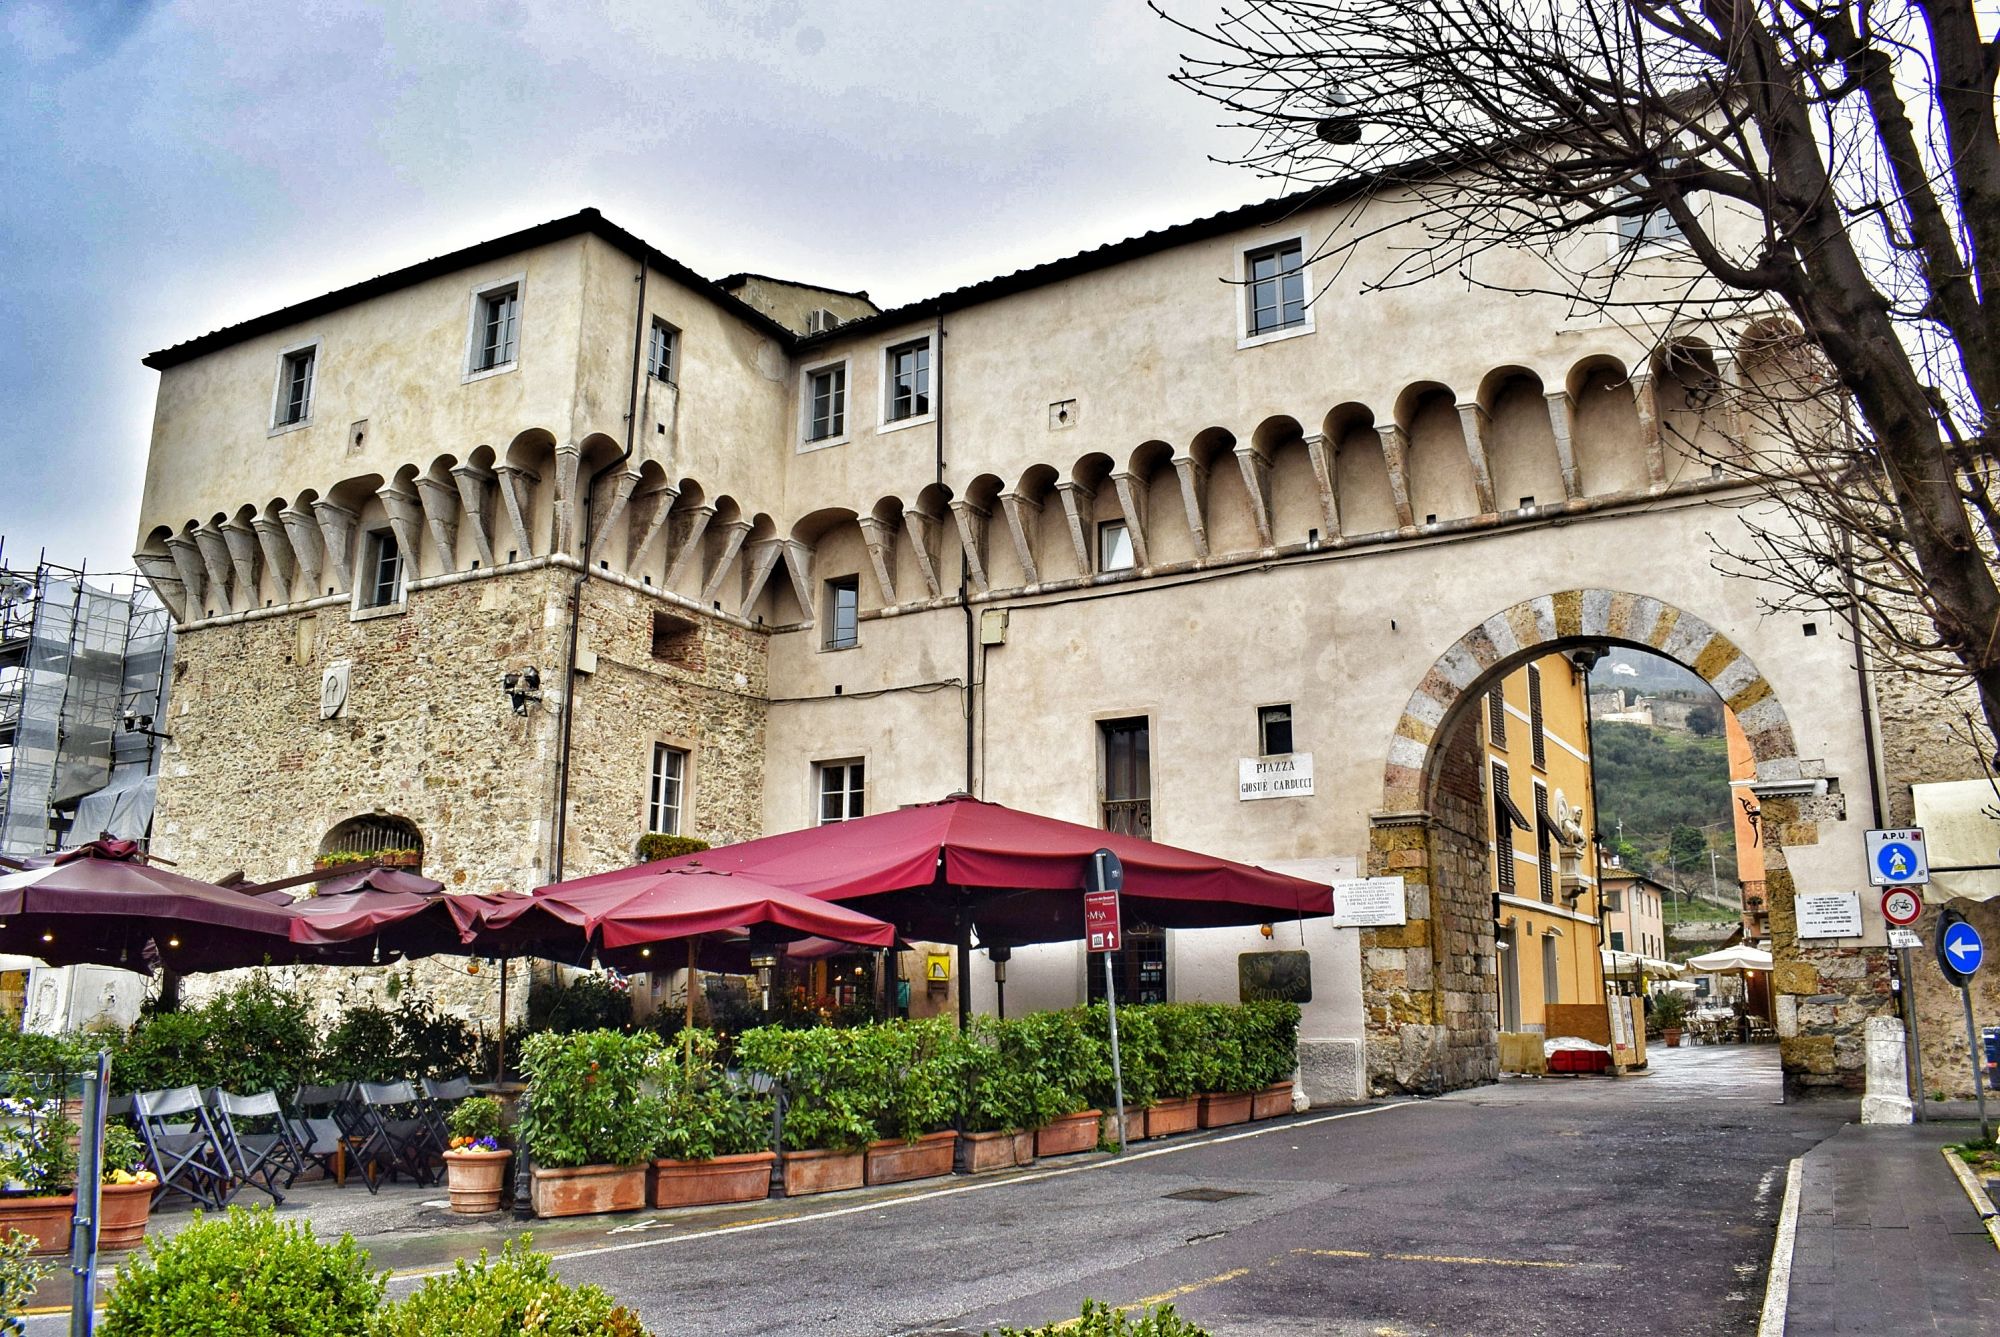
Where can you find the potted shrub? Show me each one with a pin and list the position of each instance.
(656, 845)
(37, 1171)
(475, 1165)
(1066, 1058)
(837, 1098)
(1271, 1054)
(1138, 1051)
(715, 1136)
(924, 1096)
(1669, 1013)
(1227, 1087)
(125, 1198)
(1182, 1070)
(585, 1124)
(1004, 1099)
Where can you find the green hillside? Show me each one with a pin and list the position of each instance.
(1665, 787)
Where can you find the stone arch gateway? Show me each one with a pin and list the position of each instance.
(1428, 986)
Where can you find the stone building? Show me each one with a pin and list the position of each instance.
(524, 550)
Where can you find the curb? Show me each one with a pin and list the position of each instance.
(1778, 1286)
(1988, 1216)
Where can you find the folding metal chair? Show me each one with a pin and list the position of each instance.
(317, 1133)
(441, 1097)
(389, 1133)
(256, 1160)
(182, 1146)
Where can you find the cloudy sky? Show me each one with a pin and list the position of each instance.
(174, 167)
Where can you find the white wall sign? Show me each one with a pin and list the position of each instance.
(1363, 902)
(1288, 776)
(1828, 914)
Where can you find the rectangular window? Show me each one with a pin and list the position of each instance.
(826, 389)
(1128, 776)
(295, 387)
(1503, 829)
(1536, 737)
(660, 352)
(1655, 226)
(840, 791)
(1613, 900)
(1617, 941)
(663, 805)
(843, 612)
(1545, 867)
(1277, 287)
(1114, 546)
(1274, 730)
(1496, 717)
(1551, 971)
(494, 338)
(909, 375)
(385, 571)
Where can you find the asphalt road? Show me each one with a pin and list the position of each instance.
(1643, 1205)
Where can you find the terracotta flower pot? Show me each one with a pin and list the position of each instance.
(1024, 1148)
(744, 1178)
(983, 1153)
(895, 1161)
(1135, 1126)
(1272, 1102)
(1672, 1035)
(122, 1213)
(1070, 1134)
(822, 1171)
(476, 1179)
(45, 1220)
(1180, 1114)
(587, 1189)
(1223, 1108)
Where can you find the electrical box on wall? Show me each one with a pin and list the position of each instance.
(993, 627)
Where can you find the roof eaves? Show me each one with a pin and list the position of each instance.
(585, 222)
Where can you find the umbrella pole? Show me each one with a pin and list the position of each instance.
(964, 969)
(500, 1060)
(687, 1030)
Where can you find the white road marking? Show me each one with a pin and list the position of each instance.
(1035, 1177)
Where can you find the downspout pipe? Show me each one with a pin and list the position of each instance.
(568, 727)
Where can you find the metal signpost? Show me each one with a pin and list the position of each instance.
(1959, 954)
(1104, 881)
(1899, 861)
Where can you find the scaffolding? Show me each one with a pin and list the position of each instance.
(83, 673)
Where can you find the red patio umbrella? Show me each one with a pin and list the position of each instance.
(632, 909)
(102, 904)
(939, 870)
(376, 912)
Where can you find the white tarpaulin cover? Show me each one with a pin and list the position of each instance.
(1961, 822)
(1730, 961)
(1623, 964)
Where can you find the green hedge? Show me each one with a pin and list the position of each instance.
(586, 1102)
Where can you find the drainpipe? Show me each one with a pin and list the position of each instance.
(557, 861)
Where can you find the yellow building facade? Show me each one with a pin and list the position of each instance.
(1543, 864)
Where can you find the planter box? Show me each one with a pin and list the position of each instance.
(1182, 1114)
(1221, 1109)
(1135, 1126)
(896, 1161)
(1274, 1101)
(475, 1180)
(744, 1178)
(45, 1220)
(122, 1213)
(983, 1153)
(587, 1190)
(822, 1171)
(1068, 1135)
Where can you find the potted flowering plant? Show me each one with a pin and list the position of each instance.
(125, 1198)
(37, 1171)
(475, 1166)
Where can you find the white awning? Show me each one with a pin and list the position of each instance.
(1624, 965)
(1730, 961)
(1961, 822)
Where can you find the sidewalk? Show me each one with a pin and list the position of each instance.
(1887, 1240)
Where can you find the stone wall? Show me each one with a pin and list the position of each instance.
(254, 778)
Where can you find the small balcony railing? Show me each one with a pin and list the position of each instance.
(1129, 817)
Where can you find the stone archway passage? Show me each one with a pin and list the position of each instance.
(1428, 986)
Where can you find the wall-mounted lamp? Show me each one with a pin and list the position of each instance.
(522, 686)
(134, 722)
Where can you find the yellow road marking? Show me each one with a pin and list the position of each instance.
(1436, 1258)
(1189, 1289)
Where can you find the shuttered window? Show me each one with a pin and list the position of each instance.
(1496, 716)
(1536, 736)
(1503, 829)
(1545, 867)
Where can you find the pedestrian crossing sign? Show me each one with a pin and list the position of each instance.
(1898, 858)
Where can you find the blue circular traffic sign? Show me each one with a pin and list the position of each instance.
(1961, 948)
(1897, 861)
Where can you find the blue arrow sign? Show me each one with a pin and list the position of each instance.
(1962, 947)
